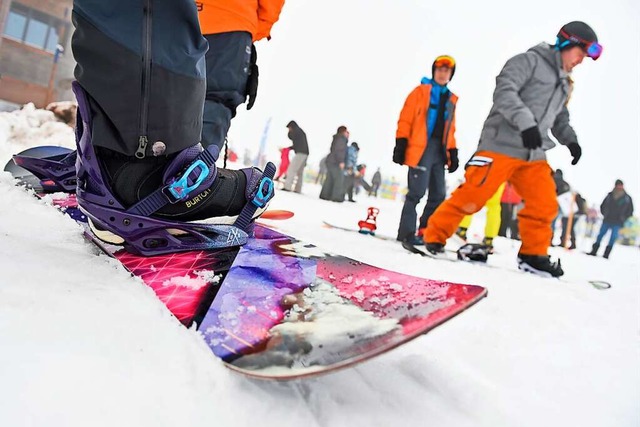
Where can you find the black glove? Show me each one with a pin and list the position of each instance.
(399, 150)
(453, 160)
(252, 79)
(531, 138)
(576, 152)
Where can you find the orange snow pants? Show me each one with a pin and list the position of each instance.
(485, 172)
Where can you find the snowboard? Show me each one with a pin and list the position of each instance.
(355, 230)
(448, 256)
(279, 308)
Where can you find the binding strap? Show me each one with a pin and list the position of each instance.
(259, 199)
(179, 188)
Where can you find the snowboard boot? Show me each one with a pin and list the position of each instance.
(414, 240)
(594, 249)
(474, 252)
(540, 265)
(607, 251)
(435, 250)
(150, 204)
(488, 242)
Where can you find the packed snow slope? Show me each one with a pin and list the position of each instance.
(82, 343)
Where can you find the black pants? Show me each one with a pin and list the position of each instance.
(143, 71)
(333, 187)
(508, 221)
(227, 60)
(428, 175)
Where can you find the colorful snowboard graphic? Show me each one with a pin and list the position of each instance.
(279, 308)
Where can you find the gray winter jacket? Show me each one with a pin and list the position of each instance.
(532, 89)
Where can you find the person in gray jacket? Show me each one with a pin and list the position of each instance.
(530, 99)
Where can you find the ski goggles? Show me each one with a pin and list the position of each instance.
(444, 61)
(592, 49)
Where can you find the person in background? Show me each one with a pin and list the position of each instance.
(284, 163)
(322, 171)
(616, 208)
(530, 100)
(350, 170)
(333, 187)
(301, 150)
(376, 181)
(426, 143)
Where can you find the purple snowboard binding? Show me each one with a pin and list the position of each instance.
(135, 227)
(56, 173)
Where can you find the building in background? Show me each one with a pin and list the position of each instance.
(36, 64)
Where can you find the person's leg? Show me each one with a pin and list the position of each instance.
(505, 217)
(515, 228)
(534, 182)
(417, 181)
(437, 192)
(563, 236)
(494, 211)
(349, 182)
(227, 60)
(573, 231)
(338, 186)
(615, 231)
(138, 131)
(485, 172)
(603, 230)
(292, 171)
(300, 173)
(138, 109)
(327, 185)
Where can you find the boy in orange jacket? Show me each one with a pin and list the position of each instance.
(425, 141)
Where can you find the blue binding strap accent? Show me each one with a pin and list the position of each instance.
(180, 189)
(264, 192)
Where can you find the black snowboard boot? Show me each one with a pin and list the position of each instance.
(435, 250)
(474, 252)
(540, 265)
(594, 249)
(607, 251)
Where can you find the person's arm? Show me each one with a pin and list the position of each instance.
(629, 209)
(268, 14)
(562, 129)
(407, 114)
(565, 134)
(506, 97)
(605, 204)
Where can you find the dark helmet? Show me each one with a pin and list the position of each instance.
(575, 33)
(444, 61)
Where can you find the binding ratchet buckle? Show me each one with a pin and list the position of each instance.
(264, 192)
(180, 188)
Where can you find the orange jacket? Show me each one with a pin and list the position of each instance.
(254, 16)
(412, 124)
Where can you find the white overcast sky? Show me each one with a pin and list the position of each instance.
(353, 62)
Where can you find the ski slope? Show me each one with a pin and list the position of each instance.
(84, 344)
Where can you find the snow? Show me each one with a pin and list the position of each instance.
(82, 343)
